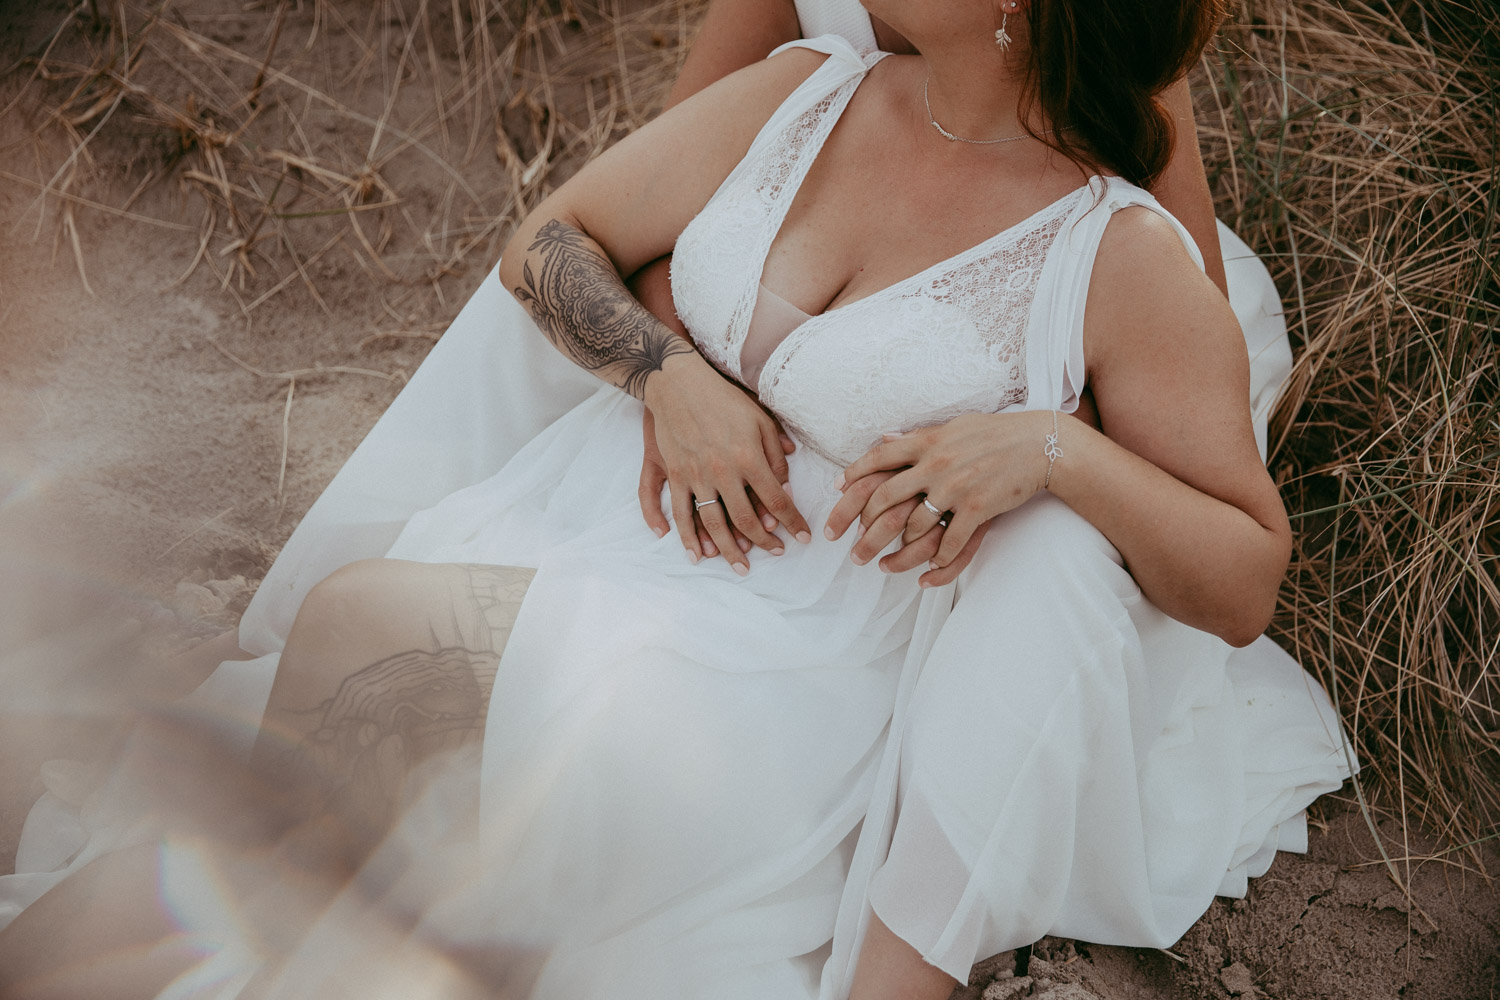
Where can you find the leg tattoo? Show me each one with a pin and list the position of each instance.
(390, 716)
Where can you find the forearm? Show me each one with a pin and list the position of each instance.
(575, 294)
(1203, 561)
(652, 287)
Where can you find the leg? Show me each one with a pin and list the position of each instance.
(388, 665)
(891, 969)
(101, 933)
(1017, 751)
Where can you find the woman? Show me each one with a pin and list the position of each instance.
(633, 684)
(490, 384)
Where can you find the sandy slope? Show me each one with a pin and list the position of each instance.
(139, 471)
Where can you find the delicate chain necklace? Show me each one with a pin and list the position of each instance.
(973, 142)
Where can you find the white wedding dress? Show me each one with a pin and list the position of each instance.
(678, 760)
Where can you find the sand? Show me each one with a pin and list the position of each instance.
(150, 474)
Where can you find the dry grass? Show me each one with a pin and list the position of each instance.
(1353, 144)
(260, 117)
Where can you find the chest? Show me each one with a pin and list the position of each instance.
(878, 206)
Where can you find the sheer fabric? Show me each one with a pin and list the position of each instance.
(678, 760)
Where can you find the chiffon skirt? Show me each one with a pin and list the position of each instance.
(701, 785)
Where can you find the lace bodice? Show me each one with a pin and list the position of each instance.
(949, 340)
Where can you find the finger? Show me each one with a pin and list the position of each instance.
(856, 493)
(881, 532)
(706, 543)
(922, 520)
(716, 521)
(891, 453)
(742, 516)
(913, 554)
(778, 502)
(954, 539)
(710, 549)
(787, 444)
(652, 480)
(682, 515)
(898, 489)
(949, 573)
(766, 517)
(775, 454)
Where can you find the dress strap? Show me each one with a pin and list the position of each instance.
(1055, 368)
(847, 18)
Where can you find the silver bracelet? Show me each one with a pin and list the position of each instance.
(1052, 451)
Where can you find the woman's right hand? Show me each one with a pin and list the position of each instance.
(716, 442)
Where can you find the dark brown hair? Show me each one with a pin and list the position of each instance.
(1097, 70)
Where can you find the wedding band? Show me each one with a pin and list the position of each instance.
(936, 510)
(700, 504)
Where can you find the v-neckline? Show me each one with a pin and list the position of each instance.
(785, 208)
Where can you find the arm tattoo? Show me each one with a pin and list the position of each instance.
(576, 296)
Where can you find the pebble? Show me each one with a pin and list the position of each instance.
(1007, 989)
(1237, 980)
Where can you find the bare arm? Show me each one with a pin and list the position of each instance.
(1183, 186)
(1177, 485)
(626, 208)
(734, 34)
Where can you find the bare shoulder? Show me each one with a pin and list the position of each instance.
(771, 79)
(1147, 293)
(1167, 363)
(718, 123)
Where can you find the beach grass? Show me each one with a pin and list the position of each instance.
(1353, 145)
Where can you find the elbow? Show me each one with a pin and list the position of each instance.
(1243, 617)
(510, 265)
(1241, 634)
(1246, 612)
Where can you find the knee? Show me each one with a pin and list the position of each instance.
(342, 598)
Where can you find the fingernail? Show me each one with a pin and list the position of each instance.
(778, 550)
(838, 483)
(741, 569)
(710, 549)
(805, 537)
(924, 584)
(692, 557)
(859, 532)
(892, 435)
(885, 569)
(933, 565)
(769, 522)
(827, 533)
(859, 560)
(743, 543)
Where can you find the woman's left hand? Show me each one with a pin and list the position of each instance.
(972, 469)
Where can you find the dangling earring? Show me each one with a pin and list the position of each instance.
(1002, 37)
